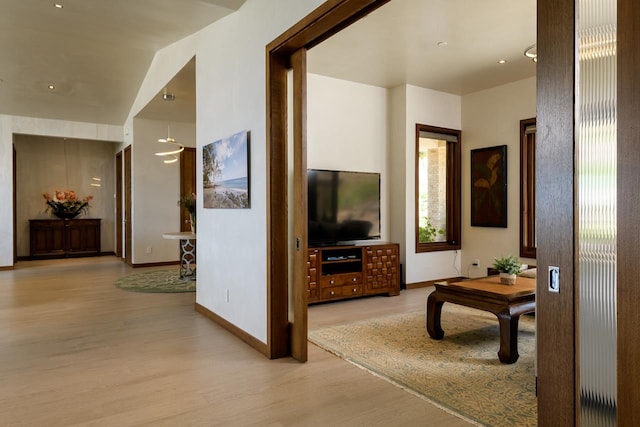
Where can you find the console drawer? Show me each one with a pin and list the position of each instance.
(340, 279)
(341, 291)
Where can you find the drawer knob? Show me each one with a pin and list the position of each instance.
(354, 279)
(355, 290)
(332, 281)
(332, 293)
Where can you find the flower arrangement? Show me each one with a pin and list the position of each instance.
(66, 204)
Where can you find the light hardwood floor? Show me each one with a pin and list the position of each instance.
(76, 351)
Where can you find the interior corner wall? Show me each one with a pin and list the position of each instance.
(231, 84)
(427, 107)
(490, 118)
(347, 130)
(156, 190)
(397, 164)
(46, 164)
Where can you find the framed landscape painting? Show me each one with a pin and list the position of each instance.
(225, 173)
(489, 187)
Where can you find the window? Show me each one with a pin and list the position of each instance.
(437, 188)
(528, 188)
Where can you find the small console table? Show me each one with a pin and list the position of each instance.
(188, 249)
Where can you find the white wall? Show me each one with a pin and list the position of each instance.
(46, 164)
(156, 191)
(427, 107)
(35, 126)
(230, 85)
(492, 117)
(347, 130)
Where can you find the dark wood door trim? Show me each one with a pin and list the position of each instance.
(187, 182)
(128, 223)
(300, 271)
(555, 200)
(119, 204)
(628, 291)
(328, 19)
(15, 201)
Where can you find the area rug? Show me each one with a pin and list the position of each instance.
(157, 281)
(461, 373)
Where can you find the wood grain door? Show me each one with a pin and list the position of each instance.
(119, 216)
(628, 291)
(187, 182)
(128, 240)
(555, 213)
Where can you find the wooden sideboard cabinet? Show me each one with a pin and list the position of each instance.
(339, 272)
(61, 238)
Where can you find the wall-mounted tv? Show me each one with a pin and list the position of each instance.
(343, 206)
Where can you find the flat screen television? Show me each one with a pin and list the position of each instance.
(343, 206)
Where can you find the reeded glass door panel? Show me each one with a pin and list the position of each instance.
(596, 166)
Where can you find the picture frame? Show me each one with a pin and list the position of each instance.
(225, 173)
(489, 187)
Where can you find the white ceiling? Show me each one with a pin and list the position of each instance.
(398, 44)
(97, 53)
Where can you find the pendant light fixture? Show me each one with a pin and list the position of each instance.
(174, 148)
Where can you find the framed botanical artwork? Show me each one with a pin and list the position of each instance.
(225, 173)
(489, 187)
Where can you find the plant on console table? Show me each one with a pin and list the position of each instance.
(508, 267)
(189, 203)
(66, 204)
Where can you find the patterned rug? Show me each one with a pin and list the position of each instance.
(461, 373)
(157, 281)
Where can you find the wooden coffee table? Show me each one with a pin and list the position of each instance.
(507, 302)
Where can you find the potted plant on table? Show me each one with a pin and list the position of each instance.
(189, 203)
(508, 267)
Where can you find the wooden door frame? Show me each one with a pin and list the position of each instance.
(556, 313)
(628, 270)
(555, 88)
(15, 205)
(118, 172)
(128, 223)
(187, 182)
(283, 54)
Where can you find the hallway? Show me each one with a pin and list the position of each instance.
(75, 350)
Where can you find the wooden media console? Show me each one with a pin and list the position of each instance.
(339, 272)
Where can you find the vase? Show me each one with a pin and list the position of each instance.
(507, 279)
(66, 214)
(192, 222)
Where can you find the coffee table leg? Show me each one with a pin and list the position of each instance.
(508, 337)
(434, 313)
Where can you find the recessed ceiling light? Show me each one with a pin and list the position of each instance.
(51, 87)
(58, 6)
(502, 61)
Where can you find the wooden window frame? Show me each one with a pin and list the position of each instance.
(527, 190)
(454, 191)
